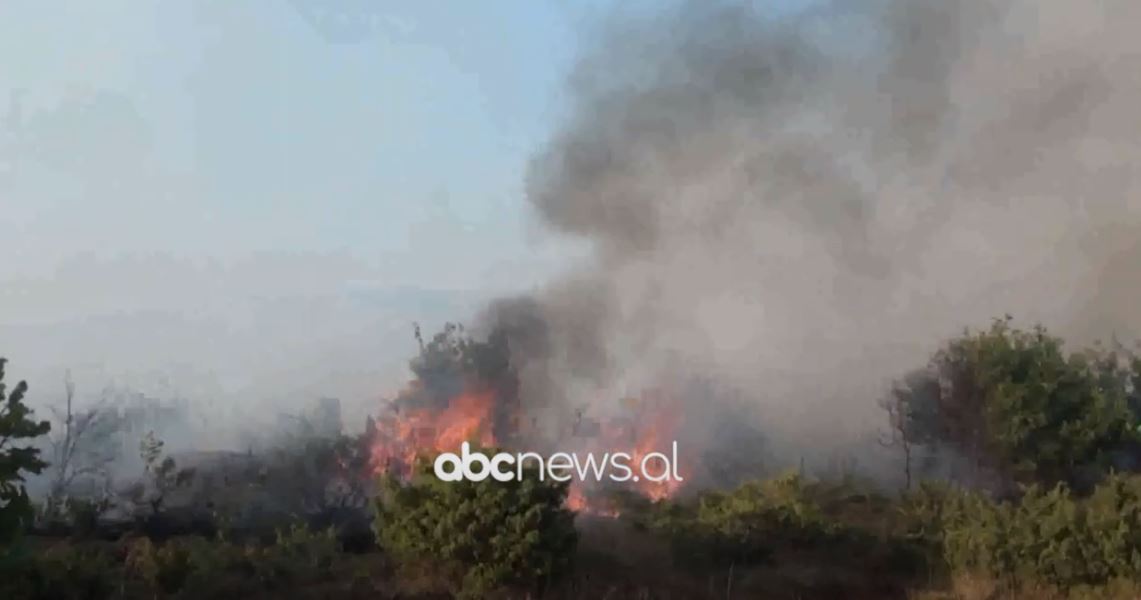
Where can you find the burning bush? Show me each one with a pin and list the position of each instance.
(489, 534)
(463, 389)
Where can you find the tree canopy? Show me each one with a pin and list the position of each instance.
(1016, 405)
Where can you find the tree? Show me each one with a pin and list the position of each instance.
(904, 406)
(164, 474)
(84, 448)
(1016, 406)
(453, 362)
(16, 423)
(898, 435)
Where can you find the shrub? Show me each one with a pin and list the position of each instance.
(1113, 517)
(492, 534)
(164, 567)
(298, 554)
(1048, 536)
(198, 567)
(922, 511)
(745, 525)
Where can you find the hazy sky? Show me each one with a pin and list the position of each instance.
(223, 128)
(220, 129)
(265, 187)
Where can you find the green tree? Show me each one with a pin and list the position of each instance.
(1016, 405)
(490, 534)
(16, 423)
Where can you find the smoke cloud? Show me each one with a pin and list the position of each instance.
(801, 210)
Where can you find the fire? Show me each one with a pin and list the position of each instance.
(578, 502)
(402, 436)
(652, 429)
(649, 426)
(655, 441)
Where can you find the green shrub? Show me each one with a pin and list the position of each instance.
(1048, 536)
(197, 567)
(922, 510)
(745, 525)
(1113, 517)
(774, 511)
(491, 534)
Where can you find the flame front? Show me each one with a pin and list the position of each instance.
(403, 436)
(650, 428)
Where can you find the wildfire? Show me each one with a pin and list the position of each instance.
(649, 426)
(578, 502)
(402, 436)
(652, 429)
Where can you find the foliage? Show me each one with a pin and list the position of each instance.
(298, 554)
(1016, 405)
(16, 424)
(921, 511)
(748, 524)
(163, 567)
(198, 567)
(1048, 535)
(492, 533)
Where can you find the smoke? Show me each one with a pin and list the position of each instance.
(802, 209)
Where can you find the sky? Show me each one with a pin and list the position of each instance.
(255, 199)
(221, 129)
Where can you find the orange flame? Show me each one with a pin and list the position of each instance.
(578, 502)
(658, 437)
(401, 438)
(650, 429)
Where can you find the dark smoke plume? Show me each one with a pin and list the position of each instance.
(801, 209)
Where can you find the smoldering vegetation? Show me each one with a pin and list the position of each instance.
(796, 209)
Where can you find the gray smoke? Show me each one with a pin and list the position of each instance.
(802, 209)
